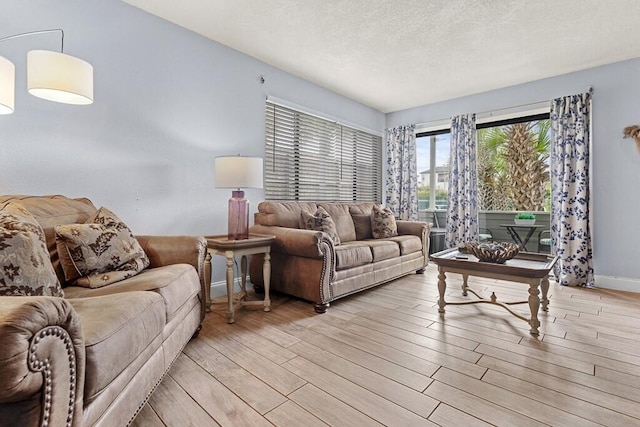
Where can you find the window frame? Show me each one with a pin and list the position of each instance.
(527, 117)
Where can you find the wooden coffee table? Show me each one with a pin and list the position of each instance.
(529, 268)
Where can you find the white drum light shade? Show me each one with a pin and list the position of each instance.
(59, 77)
(7, 86)
(238, 172)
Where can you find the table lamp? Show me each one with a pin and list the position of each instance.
(238, 172)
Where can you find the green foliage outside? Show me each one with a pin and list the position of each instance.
(513, 167)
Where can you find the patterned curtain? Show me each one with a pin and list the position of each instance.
(570, 190)
(402, 172)
(462, 211)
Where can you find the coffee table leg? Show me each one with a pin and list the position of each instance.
(534, 305)
(544, 285)
(464, 284)
(266, 274)
(442, 287)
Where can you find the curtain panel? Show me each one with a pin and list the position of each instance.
(401, 171)
(462, 210)
(570, 190)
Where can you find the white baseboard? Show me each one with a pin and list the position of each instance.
(617, 283)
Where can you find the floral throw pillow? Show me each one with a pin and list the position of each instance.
(25, 266)
(100, 252)
(320, 221)
(383, 223)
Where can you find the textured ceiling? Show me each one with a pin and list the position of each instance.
(398, 54)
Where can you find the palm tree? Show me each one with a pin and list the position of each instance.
(494, 193)
(512, 166)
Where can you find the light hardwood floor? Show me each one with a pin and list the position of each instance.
(386, 357)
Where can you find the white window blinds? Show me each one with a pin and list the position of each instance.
(312, 159)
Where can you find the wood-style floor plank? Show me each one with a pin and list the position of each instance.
(221, 404)
(385, 356)
(367, 402)
(446, 416)
(183, 412)
(412, 400)
(329, 409)
(478, 407)
(513, 401)
(290, 414)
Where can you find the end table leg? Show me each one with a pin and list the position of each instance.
(230, 317)
(207, 280)
(266, 274)
(243, 268)
(442, 287)
(544, 285)
(534, 305)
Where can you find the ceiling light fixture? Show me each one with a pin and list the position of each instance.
(54, 76)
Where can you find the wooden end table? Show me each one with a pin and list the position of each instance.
(255, 244)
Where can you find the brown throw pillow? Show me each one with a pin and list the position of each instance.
(25, 266)
(100, 252)
(320, 221)
(383, 223)
(362, 223)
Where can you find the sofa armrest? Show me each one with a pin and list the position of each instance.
(420, 229)
(416, 228)
(42, 362)
(294, 241)
(167, 250)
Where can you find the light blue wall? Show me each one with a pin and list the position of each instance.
(616, 161)
(167, 101)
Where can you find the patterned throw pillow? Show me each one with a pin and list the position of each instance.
(383, 223)
(320, 221)
(25, 266)
(100, 252)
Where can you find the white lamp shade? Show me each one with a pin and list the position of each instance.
(7, 86)
(59, 77)
(238, 172)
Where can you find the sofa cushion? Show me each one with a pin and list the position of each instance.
(383, 223)
(176, 283)
(320, 221)
(362, 224)
(383, 249)
(408, 243)
(100, 252)
(116, 330)
(50, 211)
(353, 254)
(282, 214)
(344, 223)
(25, 267)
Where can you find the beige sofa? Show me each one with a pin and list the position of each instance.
(95, 356)
(307, 264)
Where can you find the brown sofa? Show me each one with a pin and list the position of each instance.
(95, 356)
(307, 264)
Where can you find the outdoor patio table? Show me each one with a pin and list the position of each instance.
(512, 229)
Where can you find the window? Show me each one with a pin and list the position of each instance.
(433, 169)
(513, 164)
(308, 158)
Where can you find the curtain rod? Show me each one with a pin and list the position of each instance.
(489, 112)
